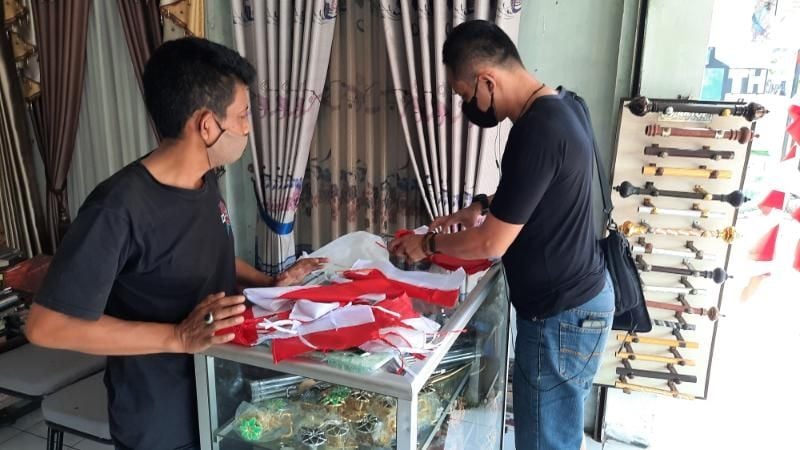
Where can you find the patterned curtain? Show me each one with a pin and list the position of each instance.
(359, 175)
(449, 155)
(183, 18)
(289, 43)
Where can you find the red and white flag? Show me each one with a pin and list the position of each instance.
(368, 280)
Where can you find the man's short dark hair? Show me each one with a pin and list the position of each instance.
(188, 74)
(475, 42)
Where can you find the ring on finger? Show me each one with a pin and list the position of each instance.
(208, 318)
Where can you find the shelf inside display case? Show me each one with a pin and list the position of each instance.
(335, 417)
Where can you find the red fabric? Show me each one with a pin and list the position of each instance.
(401, 305)
(773, 200)
(794, 127)
(797, 256)
(439, 297)
(796, 214)
(341, 339)
(765, 249)
(346, 292)
(245, 333)
(792, 153)
(447, 262)
(347, 337)
(471, 266)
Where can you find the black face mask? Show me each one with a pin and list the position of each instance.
(483, 119)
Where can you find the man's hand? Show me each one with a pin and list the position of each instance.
(299, 270)
(409, 247)
(194, 335)
(469, 217)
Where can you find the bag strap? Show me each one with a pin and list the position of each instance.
(605, 188)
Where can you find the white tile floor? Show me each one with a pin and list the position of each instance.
(30, 433)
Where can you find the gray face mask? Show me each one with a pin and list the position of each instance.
(227, 149)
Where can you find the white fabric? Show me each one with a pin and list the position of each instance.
(270, 299)
(445, 282)
(423, 324)
(306, 310)
(448, 169)
(344, 251)
(263, 312)
(348, 316)
(289, 44)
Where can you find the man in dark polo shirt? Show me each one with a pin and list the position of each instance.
(540, 221)
(147, 272)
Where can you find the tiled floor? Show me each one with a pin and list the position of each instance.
(30, 433)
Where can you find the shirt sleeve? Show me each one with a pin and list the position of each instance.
(527, 174)
(87, 263)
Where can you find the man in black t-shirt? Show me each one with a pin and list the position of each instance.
(147, 273)
(540, 221)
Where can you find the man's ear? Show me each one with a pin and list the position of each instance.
(490, 82)
(204, 123)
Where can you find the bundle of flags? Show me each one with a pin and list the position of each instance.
(776, 199)
(369, 306)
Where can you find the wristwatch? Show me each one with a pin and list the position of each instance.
(484, 201)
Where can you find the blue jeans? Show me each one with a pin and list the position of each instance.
(556, 360)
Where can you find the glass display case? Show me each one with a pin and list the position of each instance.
(454, 397)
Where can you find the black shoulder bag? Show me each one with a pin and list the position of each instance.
(631, 313)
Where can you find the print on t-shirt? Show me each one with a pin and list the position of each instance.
(224, 216)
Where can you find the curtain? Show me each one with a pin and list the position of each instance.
(183, 18)
(359, 175)
(113, 129)
(61, 34)
(236, 184)
(451, 158)
(289, 44)
(20, 209)
(141, 24)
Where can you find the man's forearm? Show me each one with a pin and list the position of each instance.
(249, 276)
(105, 336)
(467, 244)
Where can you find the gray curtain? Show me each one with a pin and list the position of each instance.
(113, 128)
(20, 208)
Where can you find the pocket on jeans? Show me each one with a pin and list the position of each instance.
(581, 345)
